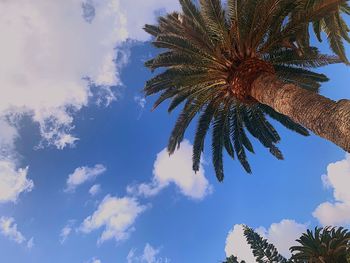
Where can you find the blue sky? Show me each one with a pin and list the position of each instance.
(60, 137)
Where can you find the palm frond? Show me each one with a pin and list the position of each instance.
(284, 120)
(263, 251)
(201, 131)
(236, 133)
(218, 142)
(210, 57)
(214, 18)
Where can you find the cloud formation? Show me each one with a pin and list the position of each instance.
(8, 135)
(13, 181)
(30, 243)
(150, 255)
(95, 260)
(176, 169)
(82, 175)
(337, 179)
(95, 189)
(282, 235)
(44, 64)
(8, 228)
(237, 245)
(116, 216)
(57, 58)
(66, 231)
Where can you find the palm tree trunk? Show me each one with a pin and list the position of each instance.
(323, 116)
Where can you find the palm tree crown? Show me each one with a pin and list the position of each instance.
(211, 56)
(328, 244)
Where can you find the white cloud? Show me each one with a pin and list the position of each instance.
(66, 231)
(116, 216)
(43, 64)
(8, 228)
(141, 101)
(282, 235)
(30, 243)
(8, 135)
(49, 73)
(13, 181)
(150, 255)
(95, 260)
(337, 178)
(176, 169)
(135, 20)
(82, 175)
(237, 245)
(95, 189)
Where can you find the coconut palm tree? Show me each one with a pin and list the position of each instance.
(235, 66)
(324, 245)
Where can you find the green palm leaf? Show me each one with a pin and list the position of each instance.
(210, 56)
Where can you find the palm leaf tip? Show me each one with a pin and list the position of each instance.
(152, 30)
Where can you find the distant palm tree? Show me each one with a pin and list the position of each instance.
(325, 245)
(233, 259)
(235, 66)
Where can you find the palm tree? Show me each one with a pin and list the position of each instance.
(237, 65)
(263, 251)
(323, 246)
(233, 259)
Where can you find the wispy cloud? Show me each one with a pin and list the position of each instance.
(8, 228)
(66, 231)
(150, 255)
(141, 102)
(95, 189)
(13, 181)
(82, 175)
(30, 243)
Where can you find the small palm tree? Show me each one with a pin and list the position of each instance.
(233, 259)
(323, 245)
(236, 66)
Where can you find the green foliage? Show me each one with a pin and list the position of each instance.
(324, 245)
(333, 25)
(233, 259)
(328, 244)
(263, 251)
(201, 49)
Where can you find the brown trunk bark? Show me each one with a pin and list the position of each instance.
(323, 116)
